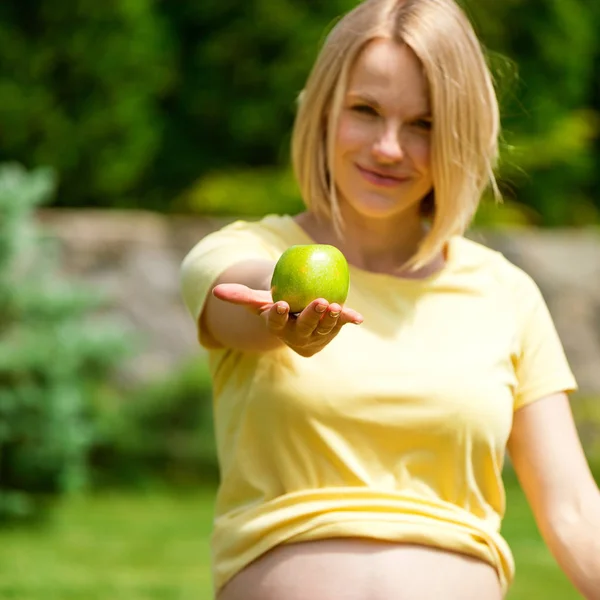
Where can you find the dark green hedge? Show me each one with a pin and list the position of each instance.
(137, 102)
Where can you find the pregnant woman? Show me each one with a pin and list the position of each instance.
(361, 446)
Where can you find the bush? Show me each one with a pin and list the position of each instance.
(134, 102)
(162, 434)
(52, 359)
(80, 90)
(251, 193)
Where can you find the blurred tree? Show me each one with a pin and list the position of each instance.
(163, 433)
(594, 95)
(548, 117)
(139, 102)
(242, 82)
(52, 360)
(80, 84)
(241, 66)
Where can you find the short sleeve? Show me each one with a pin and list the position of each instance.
(541, 364)
(207, 260)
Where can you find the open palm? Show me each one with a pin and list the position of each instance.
(306, 333)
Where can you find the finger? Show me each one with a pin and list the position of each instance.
(309, 318)
(329, 320)
(350, 316)
(277, 317)
(235, 293)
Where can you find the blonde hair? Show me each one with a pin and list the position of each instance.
(466, 122)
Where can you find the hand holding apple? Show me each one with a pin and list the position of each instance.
(319, 319)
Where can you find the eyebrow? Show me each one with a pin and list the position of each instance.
(375, 104)
(365, 98)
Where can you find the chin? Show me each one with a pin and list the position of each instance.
(380, 207)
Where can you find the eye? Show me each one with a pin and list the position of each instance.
(364, 109)
(423, 124)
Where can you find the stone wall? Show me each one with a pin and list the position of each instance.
(135, 256)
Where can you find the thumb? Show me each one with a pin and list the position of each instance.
(255, 300)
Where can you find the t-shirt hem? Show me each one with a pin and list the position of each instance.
(435, 535)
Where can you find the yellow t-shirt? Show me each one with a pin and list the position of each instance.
(397, 429)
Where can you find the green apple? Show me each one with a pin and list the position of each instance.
(306, 272)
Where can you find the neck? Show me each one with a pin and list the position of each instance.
(377, 245)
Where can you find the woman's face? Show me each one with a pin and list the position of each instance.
(383, 141)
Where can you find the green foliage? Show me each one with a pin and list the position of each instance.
(234, 99)
(587, 416)
(550, 119)
(249, 192)
(505, 213)
(136, 102)
(550, 122)
(161, 432)
(80, 90)
(51, 358)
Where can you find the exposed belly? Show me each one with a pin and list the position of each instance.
(352, 569)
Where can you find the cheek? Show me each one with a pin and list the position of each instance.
(352, 134)
(420, 151)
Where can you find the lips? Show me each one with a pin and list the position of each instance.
(380, 177)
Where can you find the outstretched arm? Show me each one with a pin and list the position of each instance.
(553, 471)
(240, 313)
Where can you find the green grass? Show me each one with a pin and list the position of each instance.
(155, 547)
(537, 575)
(113, 547)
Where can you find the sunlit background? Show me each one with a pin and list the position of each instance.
(131, 128)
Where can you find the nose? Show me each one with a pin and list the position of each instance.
(388, 148)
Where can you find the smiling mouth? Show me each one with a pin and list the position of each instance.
(379, 179)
